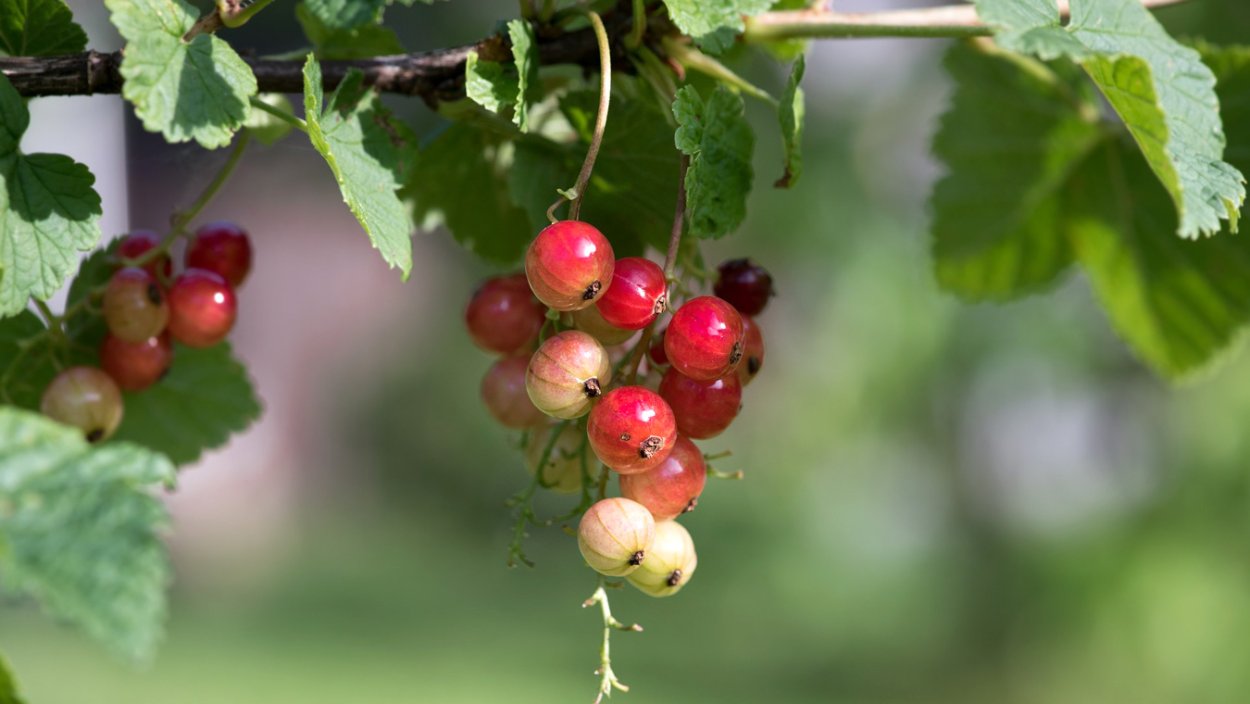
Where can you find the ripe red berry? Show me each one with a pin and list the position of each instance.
(674, 486)
(139, 242)
(588, 320)
(503, 392)
(704, 338)
(85, 398)
(567, 372)
(569, 264)
(615, 535)
(136, 365)
(134, 305)
(636, 296)
(656, 353)
(224, 248)
(752, 351)
(202, 308)
(703, 408)
(631, 429)
(563, 470)
(503, 316)
(670, 562)
(746, 285)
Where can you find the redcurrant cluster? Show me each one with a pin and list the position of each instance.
(561, 329)
(146, 308)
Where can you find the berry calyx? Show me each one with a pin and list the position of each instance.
(562, 472)
(136, 365)
(134, 305)
(670, 563)
(503, 392)
(503, 316)
(703, 408)
(202, 308)
(85, 398)
(137, 243)
(637, 294)
(746, 285)
(752, 351)
(672, 488)
(615, 536)
(224, 248)
(567, 372)
(631, 429)
(590, 321)
(569, 265)
(704, 338)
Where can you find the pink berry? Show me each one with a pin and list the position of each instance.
(614, 536)
(703, 408)
(746, 285)
(134, 305)
(503, 316)
(569, 265)
(631, 429)
(137, 243)
(752, 350)
(673, 487)
(704, 338)
(85, 398)
(567, 372)
(136, 365)
(224, 248)
(636, 296)
(503, 392)
(202, 308)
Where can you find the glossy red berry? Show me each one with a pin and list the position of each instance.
(674, 486)
(567, 372)
(503, 316)
(136, 365)
(202, 308)
(752, 351)
(224, 248)
(138, 243)
(563, 470)
(637, 294)
(86, 398)
(703, 408)
(134, 305)
(569, 265)
(670, 562)
(704, 338)
(746, 285)
(615, 535)
(503, 392)
(631, 429)
(588, 320)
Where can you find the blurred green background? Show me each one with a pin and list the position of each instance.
(943, 502)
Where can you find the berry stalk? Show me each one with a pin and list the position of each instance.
(607, 678)
(601, 120)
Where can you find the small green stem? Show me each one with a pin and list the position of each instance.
(607, 678)
(692, 58)
(639, 27)
(180, 220)
(279, 113)
(524, 501)
(601, 117)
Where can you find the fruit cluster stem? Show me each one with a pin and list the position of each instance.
(601, 117)
(607, 678)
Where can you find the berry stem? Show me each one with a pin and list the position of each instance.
(607, 678)
(638, 29)
(524, 502)
(601, 119)
(180, 220)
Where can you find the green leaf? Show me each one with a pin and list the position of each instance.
(790, 116)
(718, 140)
(39, 28)
(204, 399)
(25, 374)
(491, 84)
(359, 42)
(1161, 90)
(265, 127)
(79, 530)
(8, 685)
(362, 144)
(345, 14)
(195, 90)
(713, 23)
(48, 212)
(525, 55)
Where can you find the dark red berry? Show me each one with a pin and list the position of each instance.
(752, 351)
(134, 305)
(631, 429)
(503, 392)
(704, 338)
(136, 365)
(139, 242)
(656, 352)
(703, 408)
(569, 265)
(224, 248)
(202, 308)
(674, 486)
(568, 371)
(746, 285)
(636, 296)
(87, 399)
(503, 316)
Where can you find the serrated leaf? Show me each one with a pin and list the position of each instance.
(490, 84)
(713, 24)
(525, 56)
(195, 90)
(49, 212)
(264, 127)
(359, 42)
(8, 685)
(718, 140)
(79, 529)
(26, 373)
(345, 14)
(790, 115)
(363, 145)
(39, 28)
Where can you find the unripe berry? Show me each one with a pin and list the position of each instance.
(563, 470)
(139, 242)
(752, 351)
(631, 429)
(670, 563)
(503, 392)
(202, 308)
(569, 265)
(673, 487)
(134, 305)
(704, 338)
(589, 320)
(746, 285)
(566, 373)
(615, 536)
(85, 398)
(703, 408)
(136, 365)
(636, 296)
(503, 316)
(223, 248)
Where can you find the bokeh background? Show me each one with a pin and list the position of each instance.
(943, 502)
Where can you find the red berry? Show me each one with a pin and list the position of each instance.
(503, 316)
(134, 306)
(139, 242)
(503, 392)
(670, 562)
(588, 320)
(656, 353)
(704, 339)
(703, 408)
(202, 308)
(674, 486)
(615, 535)
(752, 351)
(224, 248)
(136, 365)
(85, 398)
(632, 429)
(746, 285)
(636, 296)
(567, 372)
(569, 264)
